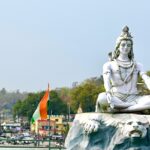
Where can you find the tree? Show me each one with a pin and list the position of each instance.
(3, 91)
(27, 107)
(57, 106)
(85, 95)
(17, 108)
(64, 94)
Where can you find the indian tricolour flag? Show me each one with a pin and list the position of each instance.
(41, 111)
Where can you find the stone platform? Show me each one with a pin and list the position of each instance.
(102, 131)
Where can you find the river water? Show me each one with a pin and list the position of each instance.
(16, 148)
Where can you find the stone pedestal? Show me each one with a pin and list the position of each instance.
(101, 131)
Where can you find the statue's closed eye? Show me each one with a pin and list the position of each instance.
(123, 44)
(129, 123)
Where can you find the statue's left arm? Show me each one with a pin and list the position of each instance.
(143, 75)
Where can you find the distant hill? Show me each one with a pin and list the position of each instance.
(8, 99)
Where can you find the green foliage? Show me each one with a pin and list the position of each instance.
(65, 130)
(60, 99)
(64, 94)
(57, 106)
(17, 108)
(3, 91)
(27, 107)
(85, 95)
(8, 99)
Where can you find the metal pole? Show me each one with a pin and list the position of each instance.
(0, 122)
(69, 113)
(38, 133)
(49, 121)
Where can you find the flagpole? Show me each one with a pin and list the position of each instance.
(49, 117)
(49, 124)
(41, 110)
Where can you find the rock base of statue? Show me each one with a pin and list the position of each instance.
(101, 131)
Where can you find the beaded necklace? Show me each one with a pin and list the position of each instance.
(126, 66)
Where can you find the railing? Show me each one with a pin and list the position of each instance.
(32, 144)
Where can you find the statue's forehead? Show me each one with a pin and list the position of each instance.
(132, 118)
(140, 119)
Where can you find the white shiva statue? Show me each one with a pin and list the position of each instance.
(120, 76)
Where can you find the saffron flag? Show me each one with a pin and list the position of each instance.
(41, 111)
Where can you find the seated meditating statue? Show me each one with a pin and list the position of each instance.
(104, 131)
(120, 76)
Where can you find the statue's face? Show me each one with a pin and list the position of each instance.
(125, 47)
(134, 128)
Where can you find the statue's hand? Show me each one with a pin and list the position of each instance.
(109, 99)
(90, 126)
(146, 79)
(148, 84)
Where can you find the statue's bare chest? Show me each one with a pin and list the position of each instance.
(119, 73)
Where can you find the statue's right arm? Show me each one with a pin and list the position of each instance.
(107, 76)
(107, 83)
(144, 76)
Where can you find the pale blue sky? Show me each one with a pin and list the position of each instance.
(63, 41)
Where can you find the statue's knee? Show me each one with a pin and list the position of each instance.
(102, 99)
(101, 104)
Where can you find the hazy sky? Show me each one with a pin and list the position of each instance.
(63, 41)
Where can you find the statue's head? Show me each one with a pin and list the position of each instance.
(134, 128)
(125, 37)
